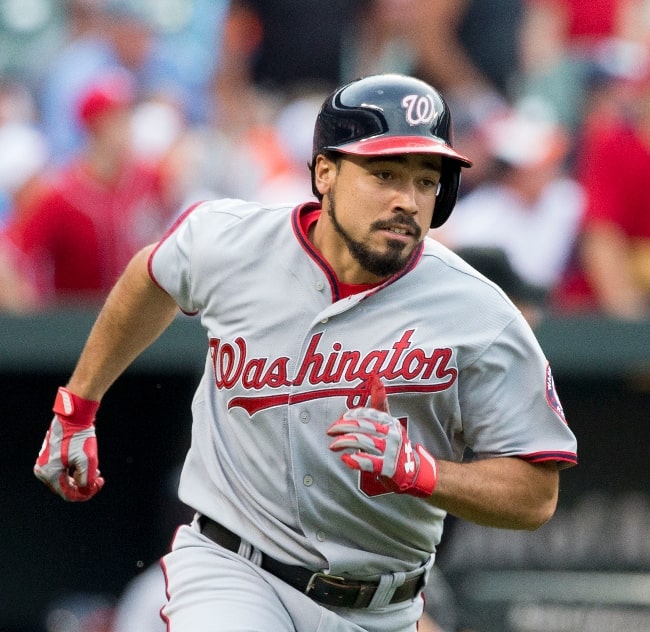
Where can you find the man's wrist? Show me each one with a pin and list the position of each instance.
(76, 410)
(427, 478)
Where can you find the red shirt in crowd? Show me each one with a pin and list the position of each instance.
(81, 234)
(587, 20)
(614, 168)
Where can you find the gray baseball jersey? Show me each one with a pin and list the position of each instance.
(287, 356)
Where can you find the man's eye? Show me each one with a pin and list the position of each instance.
(431, 184)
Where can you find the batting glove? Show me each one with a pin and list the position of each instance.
(67, 462)
(373, 441)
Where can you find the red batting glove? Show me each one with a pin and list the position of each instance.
(67, 462)
(373, 441)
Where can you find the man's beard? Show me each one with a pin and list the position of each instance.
(381, 264)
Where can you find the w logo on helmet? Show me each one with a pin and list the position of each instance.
(420, 109)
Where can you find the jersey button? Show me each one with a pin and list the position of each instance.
(305, 417)
(320, 286)
(320, 535)
(324, 320)
(308, 480)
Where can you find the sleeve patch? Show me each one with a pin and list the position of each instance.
(552, 396)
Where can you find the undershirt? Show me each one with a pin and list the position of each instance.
(307, 220)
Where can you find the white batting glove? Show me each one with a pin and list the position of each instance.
(67, 462)
(371, 440)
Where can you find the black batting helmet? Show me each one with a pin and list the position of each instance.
(392, 114)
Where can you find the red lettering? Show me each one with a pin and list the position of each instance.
(230, 366)
(252, 374)
(441, 359)
(415, 370)
(277, 375)
(328, 376)
(413, 364)
(372, 364)
(313, 359)
(399, 347)
(347, 366)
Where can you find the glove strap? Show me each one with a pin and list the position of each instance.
(75, 410)
(427, 477)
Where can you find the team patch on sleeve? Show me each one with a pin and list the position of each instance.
(552, 396)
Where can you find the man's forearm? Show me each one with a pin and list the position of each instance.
(504, 492)
(134, 315)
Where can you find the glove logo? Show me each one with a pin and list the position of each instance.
(409, 464)
(420, 110)
(66, 400)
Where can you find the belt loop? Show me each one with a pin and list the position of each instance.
(427, 569)
(386, 589)
(248, 551)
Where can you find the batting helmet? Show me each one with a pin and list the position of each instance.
(392, 114)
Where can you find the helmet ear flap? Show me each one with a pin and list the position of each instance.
(448, 193)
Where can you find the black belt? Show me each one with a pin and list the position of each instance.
(328, 590)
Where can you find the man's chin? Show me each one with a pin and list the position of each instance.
(384, 265)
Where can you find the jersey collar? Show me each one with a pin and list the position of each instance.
(302, 217)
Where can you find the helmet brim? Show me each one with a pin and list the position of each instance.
(391, 145)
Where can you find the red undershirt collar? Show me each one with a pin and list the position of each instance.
(307, 220)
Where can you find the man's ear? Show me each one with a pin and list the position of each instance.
(324, 174)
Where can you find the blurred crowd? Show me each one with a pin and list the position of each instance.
(136, 109)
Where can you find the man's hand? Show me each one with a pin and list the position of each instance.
(373, 441)
(67, 462)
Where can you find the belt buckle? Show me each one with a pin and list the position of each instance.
(326, 576)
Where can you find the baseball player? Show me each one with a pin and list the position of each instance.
(352, 365)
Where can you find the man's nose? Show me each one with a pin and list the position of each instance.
(406, 198)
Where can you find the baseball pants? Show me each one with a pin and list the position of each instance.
(211, 589)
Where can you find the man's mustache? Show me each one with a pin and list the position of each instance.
(405, 221)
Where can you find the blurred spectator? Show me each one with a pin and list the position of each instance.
(103, 35)
(159, 130)
(156, 126)
(529, 211)
(23, 155)
(23, 158)
(273, 51)
(98, 210)
(469, 50)
(295, 42)
(611, 274)
(465, 45)
(187, 36)
(19, 146)
(256, 144)
(228, 156)
(382, 41)
(289, 180)
(17, 103)
(17, 293)
(561, 39)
